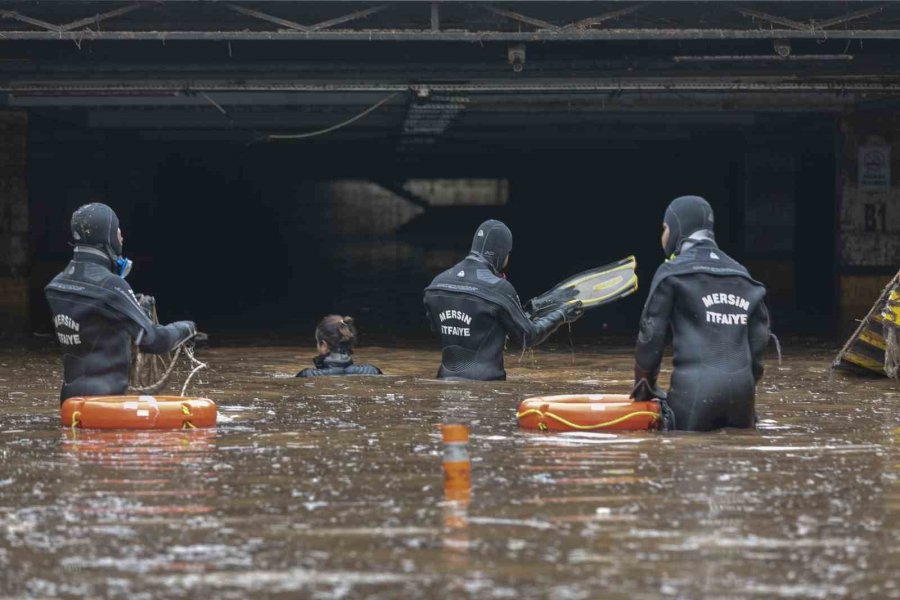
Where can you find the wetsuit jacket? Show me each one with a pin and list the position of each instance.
(474, 311)
(338, 364)
(720, 328)
(96, 317)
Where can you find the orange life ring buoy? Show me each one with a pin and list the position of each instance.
(588, 412)
(138, 412)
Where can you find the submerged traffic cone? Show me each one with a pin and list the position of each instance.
(457, 488)
(457, 466)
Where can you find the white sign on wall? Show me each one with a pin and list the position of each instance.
(874, 167)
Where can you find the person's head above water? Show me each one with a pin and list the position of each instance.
(97, 226)
(335, 334)
(493, 242)
(687, 217)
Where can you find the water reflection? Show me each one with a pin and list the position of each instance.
(122, 483)
(334, 488)
(457, 493)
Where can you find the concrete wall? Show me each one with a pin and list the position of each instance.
(769, 221)
(788, 221)
(868, 249)
(14, 254)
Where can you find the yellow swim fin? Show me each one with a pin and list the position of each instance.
(594, 287)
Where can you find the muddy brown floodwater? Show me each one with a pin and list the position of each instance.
(333, 488)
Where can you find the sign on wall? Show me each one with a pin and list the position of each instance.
(874, 167)
(870, 211)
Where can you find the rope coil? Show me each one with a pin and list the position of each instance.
(198, 366)
(143, 369)
(139, 365)
(156, 386)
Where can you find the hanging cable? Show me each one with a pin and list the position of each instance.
(231, 121)
(302, 136)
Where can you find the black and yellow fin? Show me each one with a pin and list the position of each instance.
(594, 287)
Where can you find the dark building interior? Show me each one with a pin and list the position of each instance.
(577, 137)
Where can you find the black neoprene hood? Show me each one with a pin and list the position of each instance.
(97, 225)
(493, 242)
(684, 216)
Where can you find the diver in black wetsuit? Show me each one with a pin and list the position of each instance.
(474, 308)
(335, 337)
(96, 314)
(719, 323)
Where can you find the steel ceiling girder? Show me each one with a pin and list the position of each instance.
(816, 22)
(359, 14)
(812, 25)
(95, 19)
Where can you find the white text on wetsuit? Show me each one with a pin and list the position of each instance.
(69, 339)
(456, 316)
(726, 300)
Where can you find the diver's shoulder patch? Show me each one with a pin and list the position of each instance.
(487, 276)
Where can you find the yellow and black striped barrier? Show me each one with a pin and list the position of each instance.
(866, 348)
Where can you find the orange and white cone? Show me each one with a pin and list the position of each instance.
(457, 487)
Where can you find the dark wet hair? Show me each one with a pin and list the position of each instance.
(338, 332)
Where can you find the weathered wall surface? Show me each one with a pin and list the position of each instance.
(868, 249)
(360, 208)
(14, 255)
(769, 221)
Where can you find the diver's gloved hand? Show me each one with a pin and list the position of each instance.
(188, 328)
(642, 391)
(147, 303)
(145, 300)
(551, 299)
(645, 385)
(573, 311)
(546, 325)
